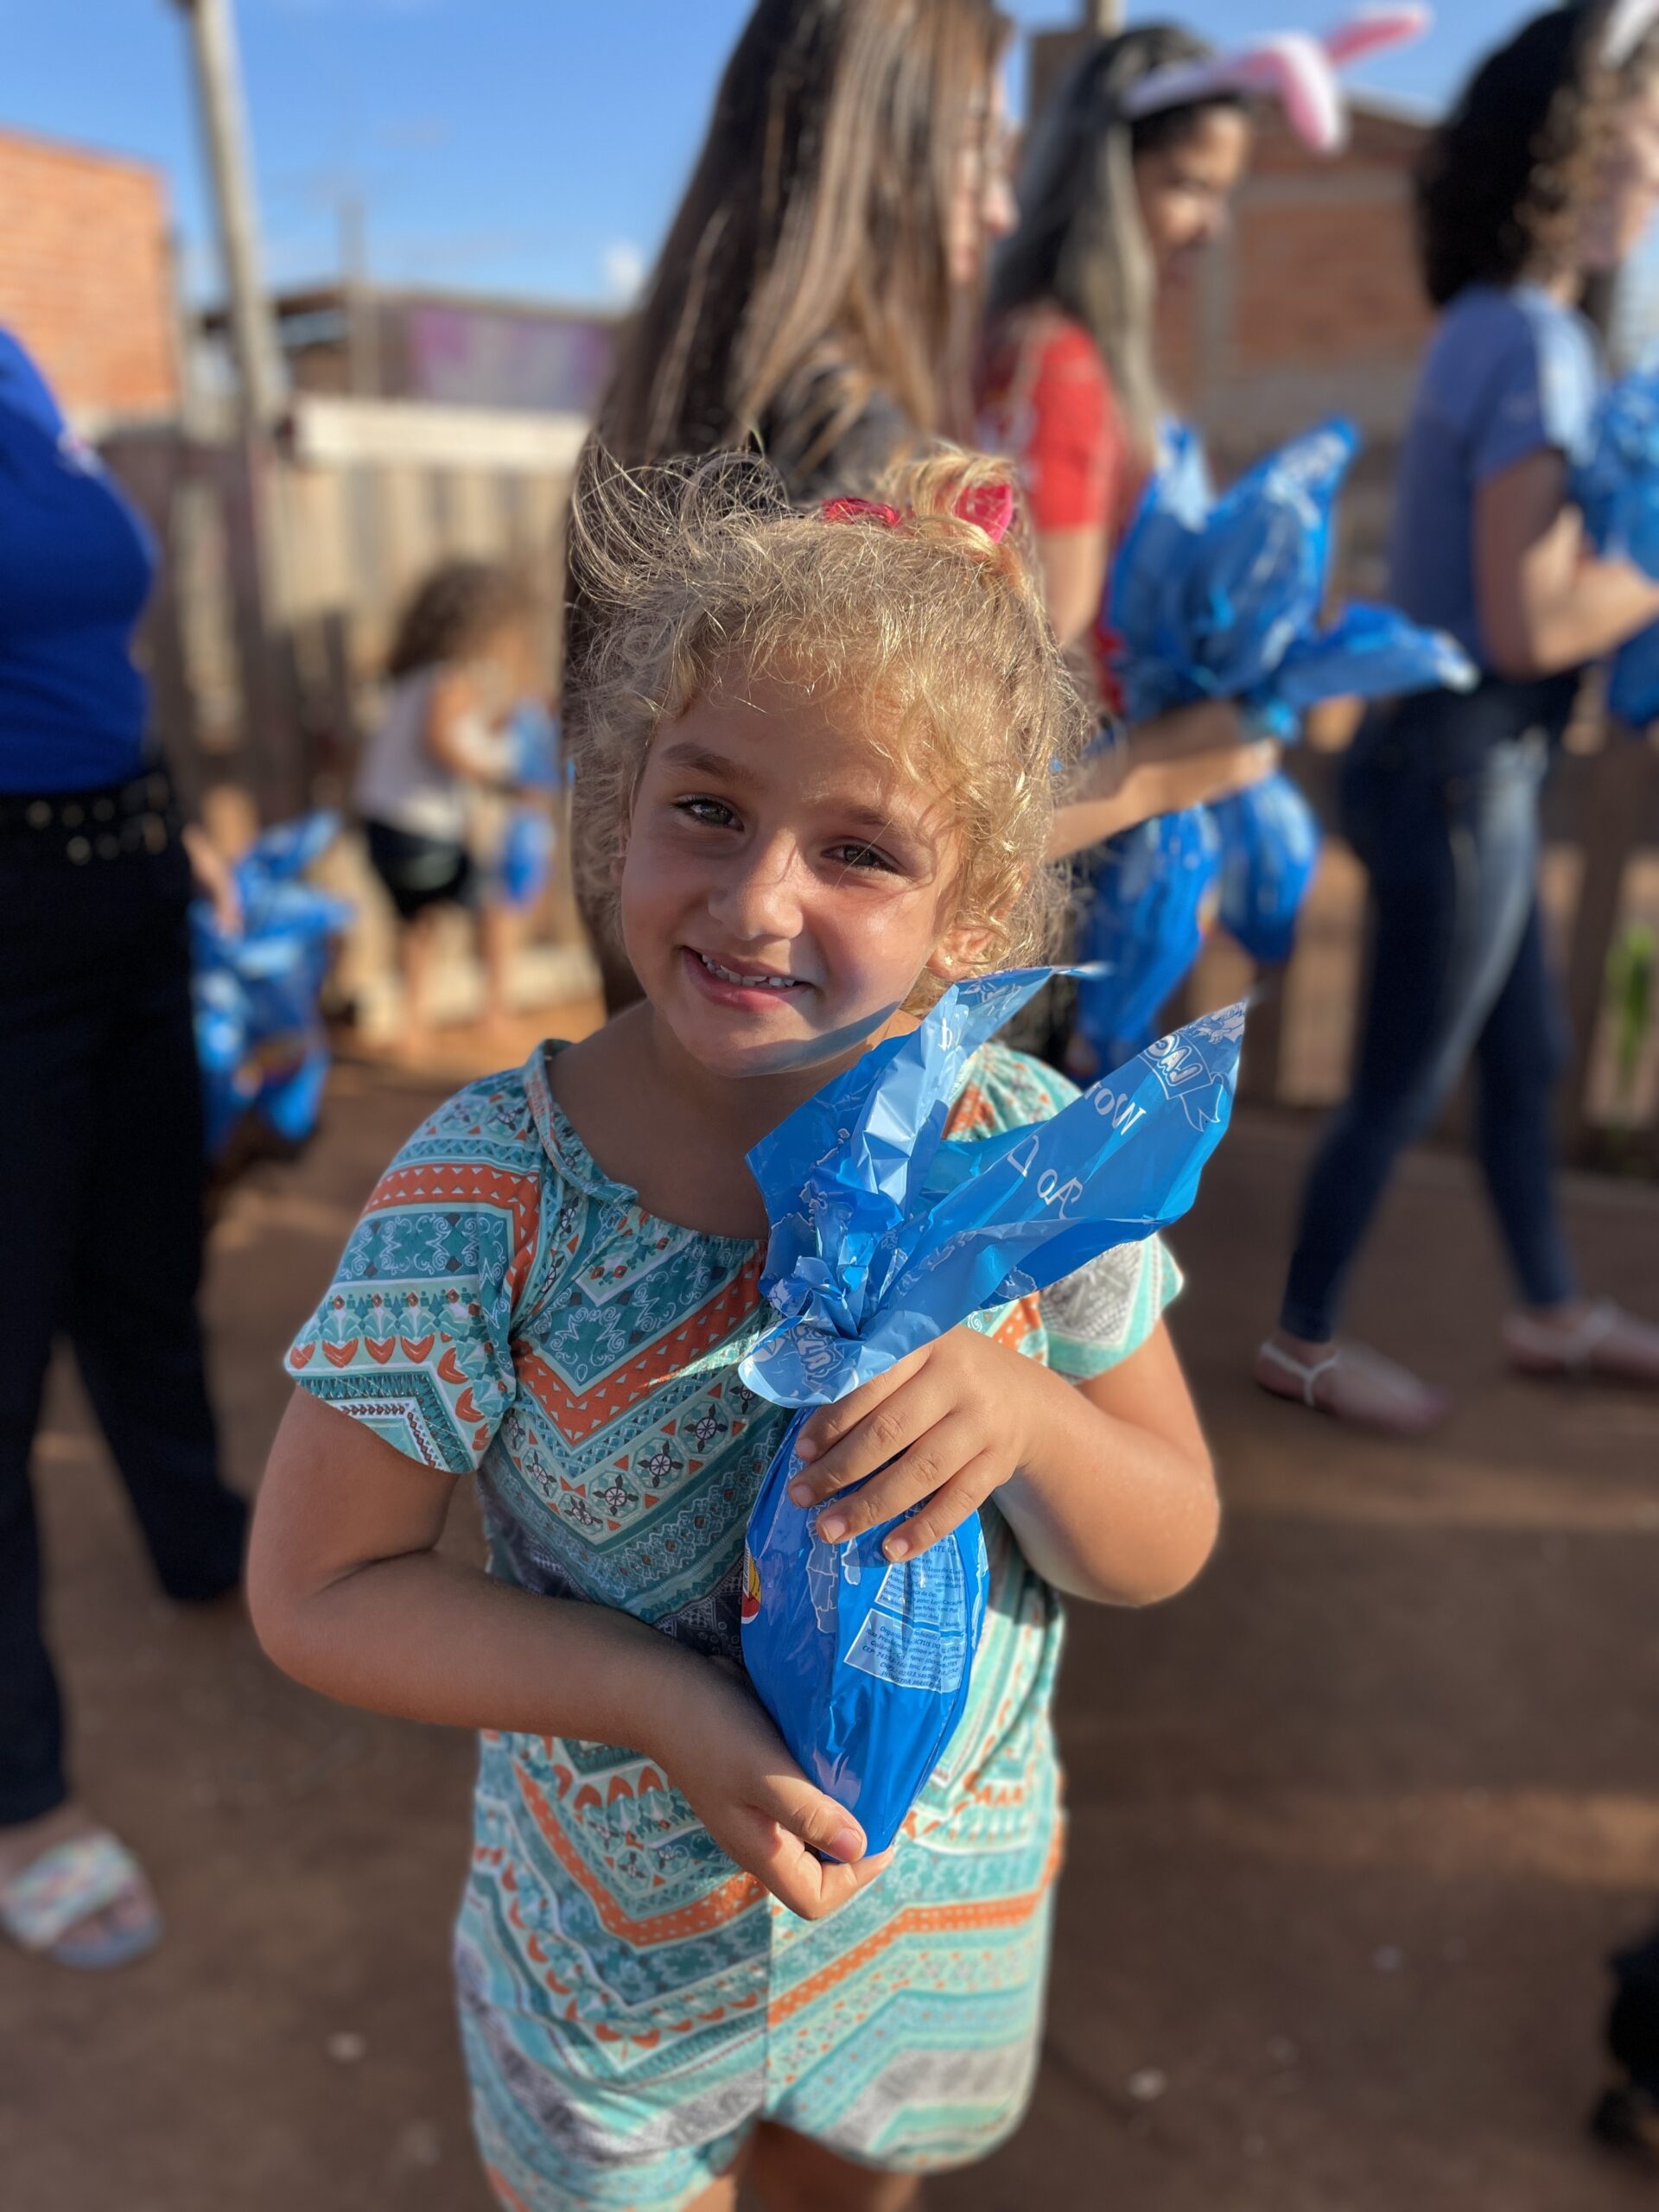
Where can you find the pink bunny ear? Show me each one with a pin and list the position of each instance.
(990, 507)
(1290, 67)
(1372, 31)
(1297, 70)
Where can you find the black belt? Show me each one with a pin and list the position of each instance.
(82, 828)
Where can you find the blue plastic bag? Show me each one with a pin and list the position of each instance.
(1618, 489)
(1617, 485)
(1633, 681)
(1270, 839)
(259, 1033)
(884, 1235)
(1222, 598)
(526, 859)
(1141, 925)
(537, 749)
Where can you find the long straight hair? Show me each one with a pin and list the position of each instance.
(811, 247)
(1081, 245)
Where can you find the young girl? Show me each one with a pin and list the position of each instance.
(460, 662)
(824, 746)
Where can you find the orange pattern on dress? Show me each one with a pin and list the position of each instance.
(577, 1414)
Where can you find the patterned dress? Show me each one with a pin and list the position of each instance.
(632, 2004)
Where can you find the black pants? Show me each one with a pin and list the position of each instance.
(100, 1241)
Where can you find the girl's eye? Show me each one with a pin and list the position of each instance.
(713, 811)
(863, 856)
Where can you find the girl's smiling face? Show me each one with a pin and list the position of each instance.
(783, 889)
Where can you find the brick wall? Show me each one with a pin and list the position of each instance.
(1313, 303)
(85, 279)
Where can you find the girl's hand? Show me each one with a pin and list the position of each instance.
(214, 879)
(951, 1423)
(717, 1744)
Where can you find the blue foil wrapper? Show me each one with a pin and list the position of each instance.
(884, 1235)
(255, 994)
(1269, 849)
(1222, 598)
(1617, 487)
(1142, 919)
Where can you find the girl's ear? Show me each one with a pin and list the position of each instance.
(961, 950)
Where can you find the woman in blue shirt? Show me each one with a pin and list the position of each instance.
(100, 1129)
(1545, 175)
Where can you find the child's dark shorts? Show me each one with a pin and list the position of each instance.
(421, 872)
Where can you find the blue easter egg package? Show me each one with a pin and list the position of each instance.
(884, 1235)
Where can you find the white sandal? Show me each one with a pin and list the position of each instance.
(1417, 1407)
(1538, 1348)
(1300, 1370)
(73, 1882)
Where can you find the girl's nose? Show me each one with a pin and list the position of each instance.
(761, 897)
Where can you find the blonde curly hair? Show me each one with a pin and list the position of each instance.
(925, 636)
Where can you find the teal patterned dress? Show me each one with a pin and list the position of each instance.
(631, 2003)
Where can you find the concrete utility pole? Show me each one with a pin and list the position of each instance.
(1102, 16)
(257, 565)
(219, 84)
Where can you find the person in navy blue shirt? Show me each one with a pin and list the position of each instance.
(100, 1129)
(1545, 175)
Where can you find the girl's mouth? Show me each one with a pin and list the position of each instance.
(738, 986)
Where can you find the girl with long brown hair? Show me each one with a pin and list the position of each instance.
(819, 289)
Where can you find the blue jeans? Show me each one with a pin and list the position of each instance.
(1440, 803)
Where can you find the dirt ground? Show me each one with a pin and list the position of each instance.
(1353, 1824)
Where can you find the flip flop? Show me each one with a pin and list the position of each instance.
(73, 1881)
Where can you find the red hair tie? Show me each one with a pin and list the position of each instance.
(859, 510)
(990, 507)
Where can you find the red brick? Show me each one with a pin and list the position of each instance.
(85, 274)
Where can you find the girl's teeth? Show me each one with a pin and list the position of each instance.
(751, 982)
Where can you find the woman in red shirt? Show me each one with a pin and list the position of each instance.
(1116, 209)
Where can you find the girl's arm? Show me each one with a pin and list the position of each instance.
(350, 1595)
(1545, 601)
(1184, 758)
(1073, 566)
(1108, 1485)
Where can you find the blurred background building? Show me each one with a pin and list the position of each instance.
(86, 277)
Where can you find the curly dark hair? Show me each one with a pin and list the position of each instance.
(1503, 183)
(453, 610)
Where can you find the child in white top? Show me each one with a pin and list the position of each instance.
(462, 660)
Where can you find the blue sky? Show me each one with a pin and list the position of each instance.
(528, 146)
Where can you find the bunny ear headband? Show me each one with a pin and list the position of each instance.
(1628, 24)
(1295, 68)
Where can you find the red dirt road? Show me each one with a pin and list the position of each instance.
(1353, 1824)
